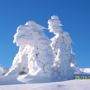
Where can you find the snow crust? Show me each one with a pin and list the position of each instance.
(65, 85)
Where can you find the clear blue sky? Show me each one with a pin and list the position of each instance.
(75, 16)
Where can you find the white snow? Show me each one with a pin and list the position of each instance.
(35, 56)
(42, 58)
(42, 63)
(9, 80)
(65, 85)
(64, 60)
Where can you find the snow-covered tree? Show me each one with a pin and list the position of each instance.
(35, 54)
(62, 49)
(40, 57)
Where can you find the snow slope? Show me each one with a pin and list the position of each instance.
(65, 85)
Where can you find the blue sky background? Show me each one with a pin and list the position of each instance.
(74, 14)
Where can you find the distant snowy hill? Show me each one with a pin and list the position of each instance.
(2, 71)
(65, 85)
(85, 70)
(82, 71)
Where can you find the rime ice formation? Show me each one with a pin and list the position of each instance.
(35, 55)
(39, 57)
(64, 60)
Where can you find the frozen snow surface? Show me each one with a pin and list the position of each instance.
(65, 85)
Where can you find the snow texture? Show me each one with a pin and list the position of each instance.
(64, 60)
(40, 59)
(35, 56)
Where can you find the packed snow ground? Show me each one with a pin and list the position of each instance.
(40, 56)
(65, 85)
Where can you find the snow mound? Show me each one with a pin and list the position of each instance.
(9, 80)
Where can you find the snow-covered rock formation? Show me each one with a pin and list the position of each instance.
(35, 55)
(64, 60)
